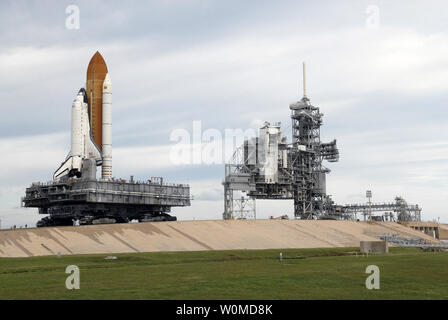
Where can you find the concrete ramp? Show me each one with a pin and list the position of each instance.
(195, 236)
(444, 232)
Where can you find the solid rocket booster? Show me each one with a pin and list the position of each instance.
(106, 173)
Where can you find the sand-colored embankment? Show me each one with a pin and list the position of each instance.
(443, 231)
(195, 235)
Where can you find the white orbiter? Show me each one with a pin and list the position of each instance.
(82, 143)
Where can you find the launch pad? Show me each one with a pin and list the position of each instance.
(270, 167)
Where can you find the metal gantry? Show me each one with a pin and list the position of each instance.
(238, 178)
(268, 167)
(399, 211)
(307, 154)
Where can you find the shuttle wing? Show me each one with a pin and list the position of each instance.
(64, 169)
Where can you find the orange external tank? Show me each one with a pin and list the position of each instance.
(96, 72)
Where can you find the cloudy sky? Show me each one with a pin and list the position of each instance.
(378, 70)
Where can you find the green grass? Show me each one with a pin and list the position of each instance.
(240, 274)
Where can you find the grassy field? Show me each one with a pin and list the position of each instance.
(242, 274)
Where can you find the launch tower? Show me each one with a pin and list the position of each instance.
(268, 167)
(307, 153)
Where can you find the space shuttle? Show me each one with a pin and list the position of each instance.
(91, 124)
